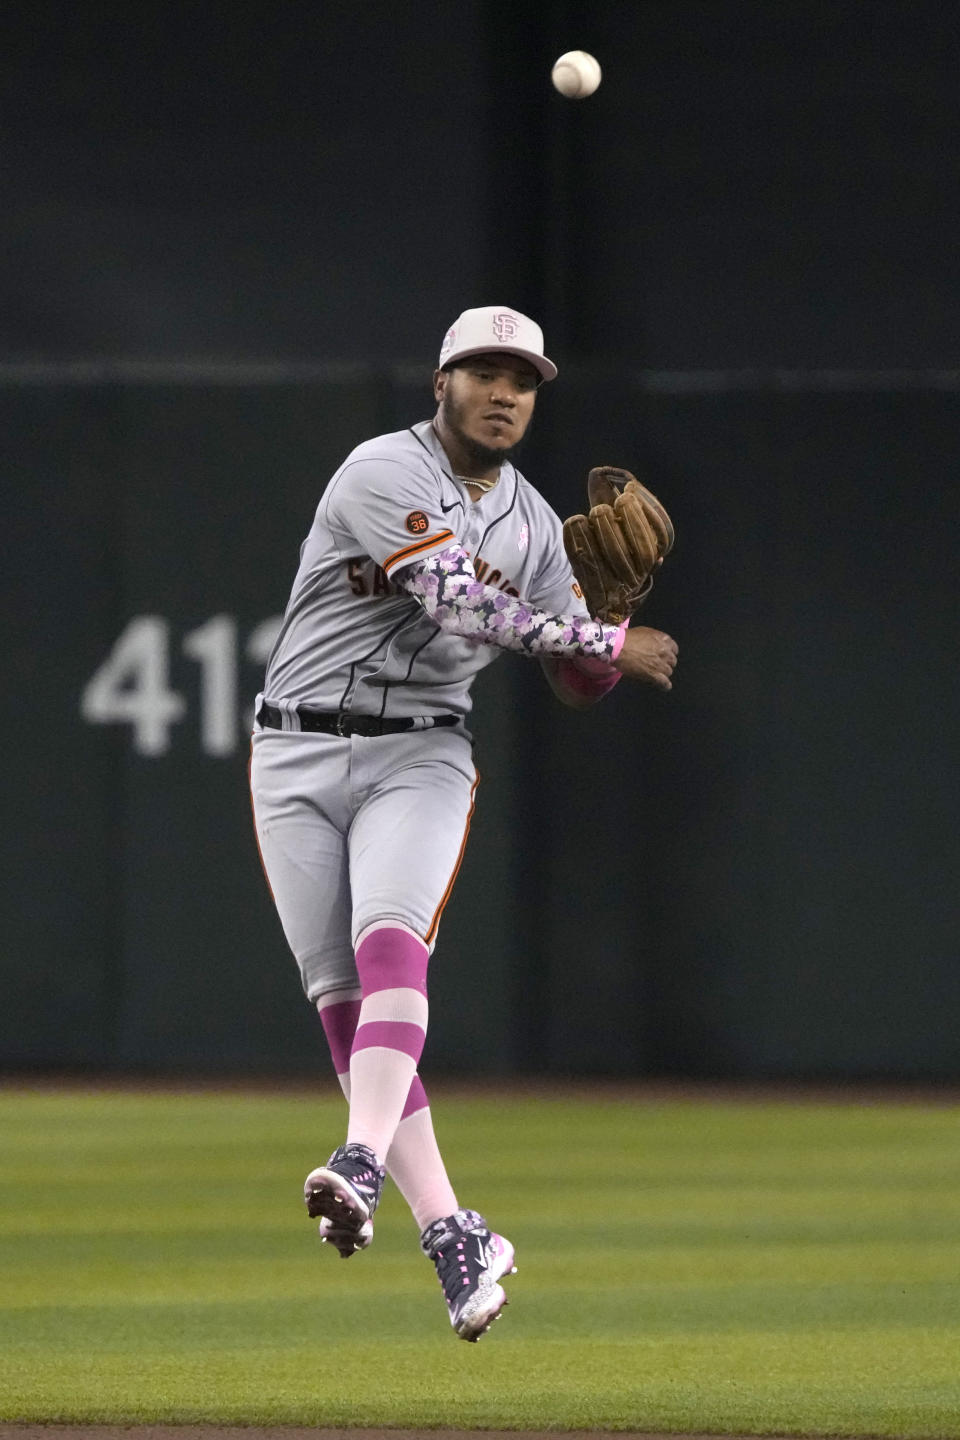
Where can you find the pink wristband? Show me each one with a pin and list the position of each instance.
(600, 666)
(591, 676)
(590, 684)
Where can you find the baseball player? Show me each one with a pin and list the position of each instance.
(428, 556)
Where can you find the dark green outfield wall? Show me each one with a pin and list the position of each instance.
(220, 274)
(754, 875)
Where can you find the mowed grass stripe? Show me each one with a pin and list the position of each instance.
(686, 1265)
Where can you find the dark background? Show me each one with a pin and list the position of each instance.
(233, 238)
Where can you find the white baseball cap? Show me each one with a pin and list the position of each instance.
(496, 327)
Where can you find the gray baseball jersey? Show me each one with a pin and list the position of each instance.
(350, 641)
(353, 831)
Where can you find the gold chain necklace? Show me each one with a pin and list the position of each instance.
(482, 485)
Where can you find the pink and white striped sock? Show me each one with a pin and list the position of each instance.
(413, 1160)
(391, 1029)
(416, 1165)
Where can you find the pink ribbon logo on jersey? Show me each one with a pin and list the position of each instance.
(506, 326)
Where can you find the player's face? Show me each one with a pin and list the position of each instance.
(487, 402)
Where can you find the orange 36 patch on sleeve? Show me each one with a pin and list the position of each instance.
(417, 523)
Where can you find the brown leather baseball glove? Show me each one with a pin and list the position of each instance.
(615, 549)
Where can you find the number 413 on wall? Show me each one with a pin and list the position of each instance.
(132, 686)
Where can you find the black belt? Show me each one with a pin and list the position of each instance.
(326, 722)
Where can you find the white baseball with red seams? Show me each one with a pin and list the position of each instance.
(576, 74)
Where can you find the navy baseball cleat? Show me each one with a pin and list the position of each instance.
(345, 1192)
(470, 1261)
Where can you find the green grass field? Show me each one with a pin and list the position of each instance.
(685, 1264)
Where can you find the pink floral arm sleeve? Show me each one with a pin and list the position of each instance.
(447, 587)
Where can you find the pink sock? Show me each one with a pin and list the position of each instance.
(417, 1167)
(339, 1012)
(391, 1029)
(413, 1160)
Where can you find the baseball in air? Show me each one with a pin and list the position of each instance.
(576, 75)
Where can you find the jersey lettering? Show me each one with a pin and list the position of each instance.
(344, 607)
(494, 577)
(365, 578)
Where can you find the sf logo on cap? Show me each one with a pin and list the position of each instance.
(505, 326)
(448, 340)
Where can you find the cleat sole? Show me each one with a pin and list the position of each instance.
(346, 1242)
(329, 1197)
(472, 1325)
